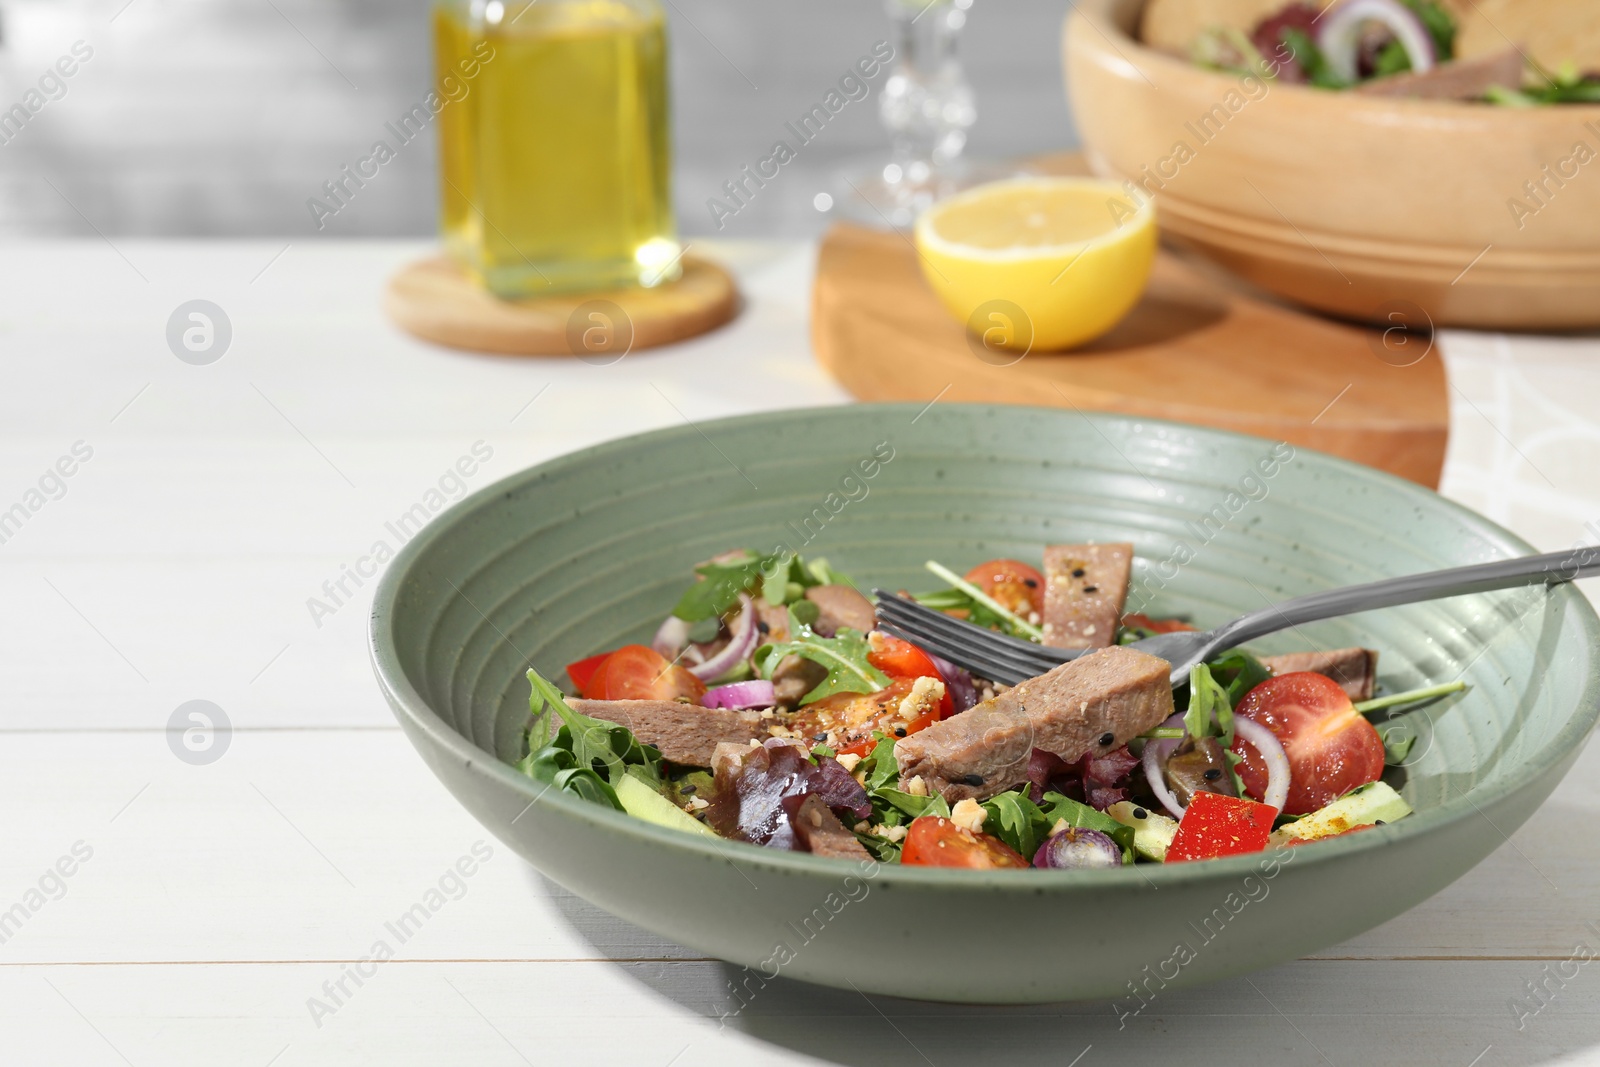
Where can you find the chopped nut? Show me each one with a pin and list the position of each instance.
(848, 761)
(890, 833)
(916, 787)
(924, 696)
(1061, 824)
(698, 803)
(969, 813)
(863, 826)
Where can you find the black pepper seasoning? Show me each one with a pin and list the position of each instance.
(972, 779)
(899, 731)
(1107, 738)
(1212, 774)
(1077, 572)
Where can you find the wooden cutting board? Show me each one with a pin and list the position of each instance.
(1198, 348)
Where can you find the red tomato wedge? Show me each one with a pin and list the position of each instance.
(634, 672)
(852, 717)
(1331, 747)
(902, 659)
(583, 670)
(1013, 584)
(933, 841)
(1137, 621)
(1216, 825)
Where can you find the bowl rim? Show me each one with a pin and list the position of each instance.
(1099, 14)
(410, 708)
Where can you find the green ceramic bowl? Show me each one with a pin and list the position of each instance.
(589, 551)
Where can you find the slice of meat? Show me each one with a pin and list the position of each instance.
(685, 733)
(793, 678)
(1462, 79)
(1089, 706)
(1355, 669)
(840, 606)
(1084, 587)
(775, 617)
(820, 832)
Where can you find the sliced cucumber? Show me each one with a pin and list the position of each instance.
(1371, 803)
(1152, 831)
(640, 800)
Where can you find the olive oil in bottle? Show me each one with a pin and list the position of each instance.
(555, 163)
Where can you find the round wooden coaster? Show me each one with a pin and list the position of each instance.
(435, 300)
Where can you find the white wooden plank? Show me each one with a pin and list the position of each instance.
(660, 1014)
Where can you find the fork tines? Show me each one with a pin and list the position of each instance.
(988, 654)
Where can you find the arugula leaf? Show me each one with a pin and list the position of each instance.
(1311, 60)
(1239, 672)
(882, 849)
(720, 586)
(1082, 816)
(1017, 821)
(884, 770)
(1440, 24)
(977, 613)
(916, 807)
(844, 655)
(587, 755)
(1396, 747)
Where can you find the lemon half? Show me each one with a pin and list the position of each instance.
(1039, 263)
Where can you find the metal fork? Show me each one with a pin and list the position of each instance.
(1009, 660)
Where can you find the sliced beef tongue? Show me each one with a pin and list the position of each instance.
(1090, 706)
(1355, 669)
(819, 831)
(839, 606)
(685, 733)
(1084, 589)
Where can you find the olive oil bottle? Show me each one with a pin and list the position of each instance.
(555, 163)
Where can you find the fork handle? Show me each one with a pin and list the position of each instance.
(1551, 568)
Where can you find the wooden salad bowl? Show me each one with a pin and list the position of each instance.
(1360, 206)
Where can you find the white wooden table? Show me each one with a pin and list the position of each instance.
(212, 908)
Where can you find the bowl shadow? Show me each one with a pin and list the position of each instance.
(854, 1029)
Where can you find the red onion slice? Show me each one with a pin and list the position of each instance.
(1156, 752)
(1339, 34)
(745, 635)
(1266, 742)
(671, 636)
(1075, 849)
(737, 695)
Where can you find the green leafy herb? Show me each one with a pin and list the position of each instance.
(1411, 696)
(720, 586)
(1210, 713)
(843, 655)
(824, 574)
(882, 849)
(881, 770)
(1440, 24)
(1239, 672)
(819, 751)
(977, 613)
(1017, 821)
(1311, 60)
(587, 756)
(1016, 625)
(1397, 746)
(916, 807)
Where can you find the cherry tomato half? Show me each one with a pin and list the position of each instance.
(1331, 747)
(852, 717)
(902, 659)
(933, 841)
(1016, 586)
(634, 672)
(582, 671)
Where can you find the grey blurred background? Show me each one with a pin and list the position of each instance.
(221, 117)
